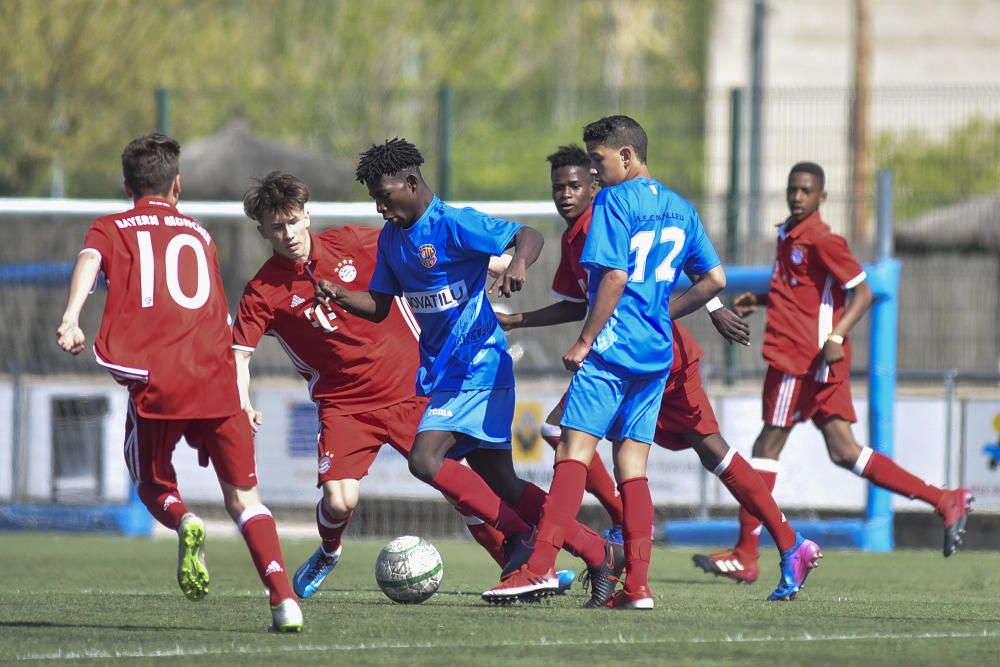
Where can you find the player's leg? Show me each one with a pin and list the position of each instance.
(631, 457)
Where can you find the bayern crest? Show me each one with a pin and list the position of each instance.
(346, 270)
(427, 254)
(324, 465)
(798, 253)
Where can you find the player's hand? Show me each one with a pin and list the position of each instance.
(511, 280)
(70, 337)
(745, 304)
(832, 353)
(326, 292)
(509, 321)
(731, 326)
(256, 418)
(573, 359)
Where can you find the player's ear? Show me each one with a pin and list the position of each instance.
(822, 197)
(175, 187)
(625, 153)
(412, 182)
(260, 230)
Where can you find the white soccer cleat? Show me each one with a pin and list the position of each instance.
(286, 616)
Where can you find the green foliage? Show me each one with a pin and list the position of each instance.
(79, 80)
(932, 173)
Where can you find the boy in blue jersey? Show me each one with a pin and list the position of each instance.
(641, 236)
(437, 258)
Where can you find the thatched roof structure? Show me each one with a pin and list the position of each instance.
(221, 167)
(970, 225)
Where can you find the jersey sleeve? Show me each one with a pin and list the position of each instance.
(836, 256)
(98, 240)
(608, 241)
(475, 232)
(253, 319)
(564, 283)
(383, 279)
(702, 256)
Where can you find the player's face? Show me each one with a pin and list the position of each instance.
(573, 189)
(288, 234)
(606, 164)
(803, 195)
(396, 200)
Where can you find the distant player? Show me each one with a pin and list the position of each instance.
(436, 257)
(809, 361)
(686, 419)
(360, 374)
(165, 335)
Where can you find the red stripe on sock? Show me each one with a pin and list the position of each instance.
(330, 536)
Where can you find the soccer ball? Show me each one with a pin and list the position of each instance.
(409, 570)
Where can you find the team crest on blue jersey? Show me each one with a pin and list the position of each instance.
(427, 254)
(798, 254)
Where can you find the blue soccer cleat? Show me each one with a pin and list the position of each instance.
(311, 574)
(796, 563)
(614, 534)
(566, 579)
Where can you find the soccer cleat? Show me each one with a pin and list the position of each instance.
(517, 548)
(311, 573)
(523, 584)
(286, 616)
(566, 579)
(954, 508)
(728, 563)
(192, 575)
(602, 578)
(625, 599)
(614, 534)
(796, 563)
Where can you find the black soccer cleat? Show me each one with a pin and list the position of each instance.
(954, 508)
(603, 578)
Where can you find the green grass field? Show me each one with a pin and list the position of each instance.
(110, 600)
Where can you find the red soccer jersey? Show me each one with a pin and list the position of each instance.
(354, 364)
(813, 270)
(165, 330)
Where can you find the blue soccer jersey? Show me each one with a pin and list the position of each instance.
(652, 234)
(439, 265)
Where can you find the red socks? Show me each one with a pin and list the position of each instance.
(330, 529)
(558, 513)
(638, 505)
(580, 540)
(883, 471)
(471, 495)
(488, 538)
(755, 498)
(747, 544)
(163, 503)
(261, 536)
(600, 484)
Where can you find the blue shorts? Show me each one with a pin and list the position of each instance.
(482, 416)
(606, 406)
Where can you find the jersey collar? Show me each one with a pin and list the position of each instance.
(299, 266)
(799, 229)
(155, 202)
(581, 226)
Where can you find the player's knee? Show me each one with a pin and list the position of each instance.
(339, 507)
(423, 466)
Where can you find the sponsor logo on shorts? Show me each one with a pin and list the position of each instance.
(437, 301)
(440, 412)
(324, 465)
(427, 254)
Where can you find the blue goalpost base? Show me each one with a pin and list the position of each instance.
(873, 532)
(130, 519)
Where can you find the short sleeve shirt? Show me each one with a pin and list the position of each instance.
(813, 270)
(439, 266)
(165, 329)
(570, 280)
(652, 234)
(352, 365)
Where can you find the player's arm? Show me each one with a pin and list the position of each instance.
(730, 326)
(69, 335)
(243, 383)
(861, 299)
(559, 312)
(703, 288)
(609, 291)
(371, 305)
(527, 245)
(746, 303)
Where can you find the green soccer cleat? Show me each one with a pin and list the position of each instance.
(192, 575)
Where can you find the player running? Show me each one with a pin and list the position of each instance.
(165, 335)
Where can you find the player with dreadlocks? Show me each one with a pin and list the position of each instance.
(437, 258)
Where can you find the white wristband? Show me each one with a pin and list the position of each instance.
(839, 340)
(713, 305)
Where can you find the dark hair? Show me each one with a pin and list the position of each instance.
(569, 156)
(276, 193)
(392, 157)
(810, 168)
(150, 163)
(618, 131)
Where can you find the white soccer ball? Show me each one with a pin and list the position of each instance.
(409, 570)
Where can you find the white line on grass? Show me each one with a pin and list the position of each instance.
(180, 651)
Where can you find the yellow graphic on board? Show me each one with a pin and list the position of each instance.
(527, 445)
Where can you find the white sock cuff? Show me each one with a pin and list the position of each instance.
(765, 465)
(252, 511)
(862, 462)
(549, 430)
(321, 518)
(724, 463)
(472, 520)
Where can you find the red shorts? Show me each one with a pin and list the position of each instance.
(348, 444)
(789, 399)
(684, 410)
(225, 441)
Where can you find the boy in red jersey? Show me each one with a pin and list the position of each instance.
(686, 419)
(809, 360)
(165, 335)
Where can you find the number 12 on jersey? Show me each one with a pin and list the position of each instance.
(642, 245)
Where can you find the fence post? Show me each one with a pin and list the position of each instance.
(733, 204)
(163, 110)
(444, 142)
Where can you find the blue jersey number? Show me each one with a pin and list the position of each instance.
(642, 244)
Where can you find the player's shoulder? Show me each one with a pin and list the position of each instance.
(821, 232)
